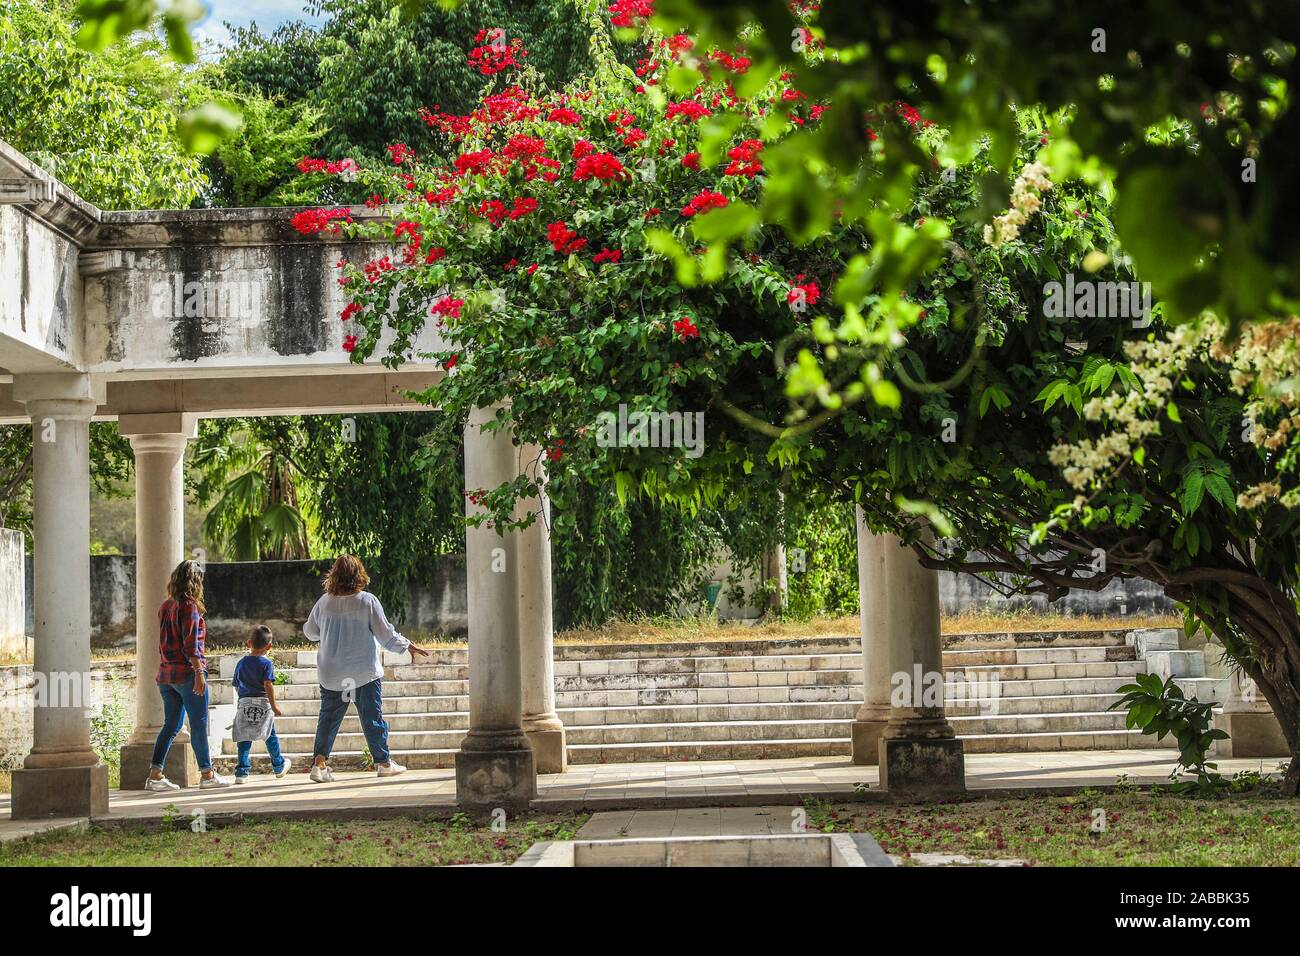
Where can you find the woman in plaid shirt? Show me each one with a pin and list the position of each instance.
(182, 676)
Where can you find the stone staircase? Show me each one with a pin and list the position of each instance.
(745, 699)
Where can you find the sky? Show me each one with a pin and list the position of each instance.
(267, 14)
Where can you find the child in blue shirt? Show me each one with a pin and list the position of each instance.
(254, 682)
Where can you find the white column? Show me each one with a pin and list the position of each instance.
(159, 444)
(542, 725)
(874, 624)
(918, 752)
(62, 776)
(494, 767)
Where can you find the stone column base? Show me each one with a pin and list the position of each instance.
(137, 759)
(866, 742)
(60, 792)
(487, 779)
(1250, 734)
(922, 767)
(550, 755)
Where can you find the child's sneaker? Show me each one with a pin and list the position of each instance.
(240, 781)
(213, 782)
(283, 770)
(322, 775)
(392, 770)
(161, 785)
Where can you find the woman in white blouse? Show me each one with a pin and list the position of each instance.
(349, 623)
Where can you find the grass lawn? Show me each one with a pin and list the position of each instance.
(1142, 829)
(403, 842)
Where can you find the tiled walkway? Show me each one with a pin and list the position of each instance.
(634, 785)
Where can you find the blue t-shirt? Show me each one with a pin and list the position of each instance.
(251, 673)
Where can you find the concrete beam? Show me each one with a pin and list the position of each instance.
(365, 391)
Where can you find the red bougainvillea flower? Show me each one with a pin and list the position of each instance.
(351, 309)
(524, 148)
(377, 267)
(804, 293)
(448, 307)
(685, 328)
(556, 451)
(910, 114)
(442, 197)
(652, 212)
(730, 61)
(400, 153)
(583, 147)
(523, 206)
(703, 202)
(562, 239)
(744, 159)
(602, 166)
(626, 13)
(311, 221)
(621, 118)
(678, 44)
(450, 362)
(475, 164)
(493, 53)
(607, 255)
(633, 136)
(330, 167)
(349, 343)
(532, 268)
(691, 161)
(493, 210)
(691, 110)
(436, 253)
(564, 116)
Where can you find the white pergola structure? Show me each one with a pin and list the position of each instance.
(159, 318)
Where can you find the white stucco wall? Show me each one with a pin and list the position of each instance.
(13, 641)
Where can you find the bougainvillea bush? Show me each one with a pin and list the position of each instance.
(544, 255)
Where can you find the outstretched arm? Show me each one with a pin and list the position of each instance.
(384, 632)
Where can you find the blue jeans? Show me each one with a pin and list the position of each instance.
(245, 764)
(178, 700)
(370, 708)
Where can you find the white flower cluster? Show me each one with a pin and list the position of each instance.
(1265, 361)
(1132, 411)
(1026, 199)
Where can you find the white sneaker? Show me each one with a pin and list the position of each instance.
(322, 775)
(285, 769)
(392, 770)
(240, 781)
(162, 784)
(214, 782)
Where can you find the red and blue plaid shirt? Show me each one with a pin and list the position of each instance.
(180, 639)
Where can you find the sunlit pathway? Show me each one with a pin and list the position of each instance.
(633, 785)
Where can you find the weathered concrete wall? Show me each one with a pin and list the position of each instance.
(218, 289)
(965, 592)
(13, 594)
(109, 680)
(40, 295)
(279, 594)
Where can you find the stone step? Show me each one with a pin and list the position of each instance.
(444, 758)
(441, 731)
(444, 716)
(1023, 648)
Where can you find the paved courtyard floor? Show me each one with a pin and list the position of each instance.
(631, 786)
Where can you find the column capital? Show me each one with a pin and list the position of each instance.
(182, 426)
(75, 387)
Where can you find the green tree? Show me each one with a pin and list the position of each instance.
(105, 125)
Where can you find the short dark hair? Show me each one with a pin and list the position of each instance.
(260, 637)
